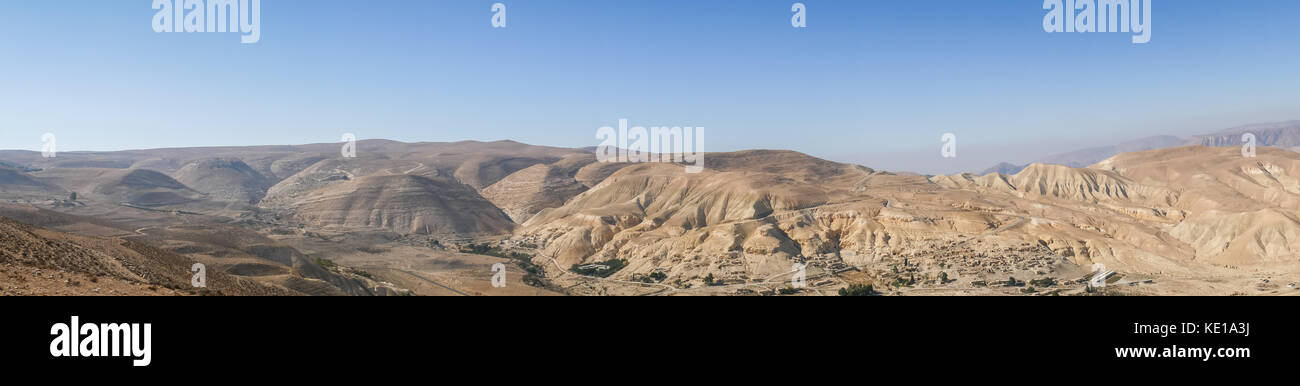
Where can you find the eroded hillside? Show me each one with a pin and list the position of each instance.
(278, 215)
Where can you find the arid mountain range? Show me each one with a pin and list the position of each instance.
(442, 218)
(1285, 135)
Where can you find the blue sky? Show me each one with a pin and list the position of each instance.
(872, 82)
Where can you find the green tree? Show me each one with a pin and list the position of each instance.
(858, 289)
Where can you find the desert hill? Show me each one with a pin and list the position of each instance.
(530, 190)
(748, 217)
(1240, 210)
(407, 203)
(1207, 204)
(17, 182)
(238, 261)
(35, 259)
(224, 180)
(409, 211)
(143, 187)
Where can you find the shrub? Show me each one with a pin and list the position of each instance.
(491, 250)
(858, 289)
(324, 263)
(602, 269)
(654, 277)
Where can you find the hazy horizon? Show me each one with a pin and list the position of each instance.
(921, 161)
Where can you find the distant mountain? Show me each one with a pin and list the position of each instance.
(1279, 134)
(1085, 157)
(1004, 168)
(1283, 134)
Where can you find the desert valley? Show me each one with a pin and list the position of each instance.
(435, 218)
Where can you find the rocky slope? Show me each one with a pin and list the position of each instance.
(406, 203)
(36, 260)
(752, 214)
(1186, 212)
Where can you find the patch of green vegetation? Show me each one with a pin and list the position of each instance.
(789, 291)
(324, 263)
(492, 250)
(330, 265)
(858, 289)
(904, 282)
(1043, 282)
(147, 209)
(601, 269)
(533, 274)
(1090, 290)
(653, 277)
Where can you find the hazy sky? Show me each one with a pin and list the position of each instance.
(872, 82)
